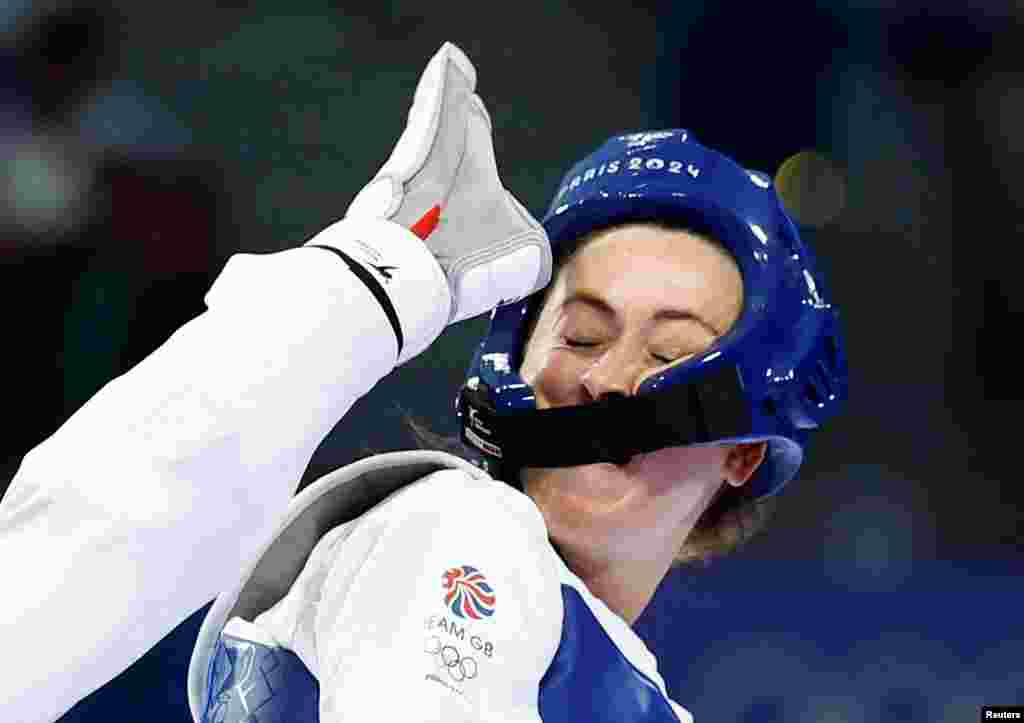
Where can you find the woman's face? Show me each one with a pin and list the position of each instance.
(635, 300)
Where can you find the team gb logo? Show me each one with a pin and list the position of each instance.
(467, 593)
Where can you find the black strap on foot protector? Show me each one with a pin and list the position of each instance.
(375, 288)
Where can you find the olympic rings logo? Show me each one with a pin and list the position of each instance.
(459, 667)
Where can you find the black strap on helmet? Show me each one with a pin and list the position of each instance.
(612, 429)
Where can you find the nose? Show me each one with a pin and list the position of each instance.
(617, 371)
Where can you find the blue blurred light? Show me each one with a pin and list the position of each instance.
(125, 117)
(11, 11)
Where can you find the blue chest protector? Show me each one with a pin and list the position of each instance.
(232, 680)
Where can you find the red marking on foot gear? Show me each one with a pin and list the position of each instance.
(426, 225)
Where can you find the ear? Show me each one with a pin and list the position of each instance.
(742, 461)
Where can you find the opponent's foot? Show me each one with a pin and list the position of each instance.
(442, 182)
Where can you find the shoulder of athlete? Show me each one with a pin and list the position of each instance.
(478, 581)
(465, 499)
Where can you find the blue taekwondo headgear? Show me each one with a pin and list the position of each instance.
(776, 375)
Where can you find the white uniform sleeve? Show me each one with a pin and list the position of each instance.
(132, 515)
(442, 604)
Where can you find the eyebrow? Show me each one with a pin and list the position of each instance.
(596, 301)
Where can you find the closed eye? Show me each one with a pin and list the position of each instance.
(584, 344)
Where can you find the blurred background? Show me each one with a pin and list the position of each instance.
(144, 143)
